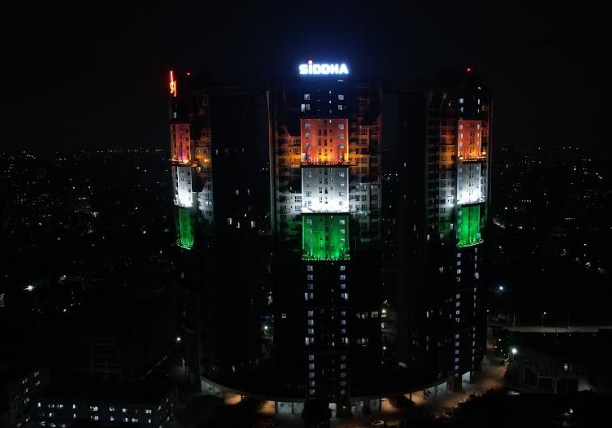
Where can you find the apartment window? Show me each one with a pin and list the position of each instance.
(306, 97)
(307, 125)
(339, 106)
(308, 135)
(309, 268)
(341, 126)
(311, 357)
(343, 277)
(341, 97)
(341, 136)
(310, 321)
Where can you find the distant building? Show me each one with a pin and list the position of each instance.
(19, 389)
(563, 363)
(144, 405)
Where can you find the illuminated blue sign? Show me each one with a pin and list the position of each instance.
(312, 68)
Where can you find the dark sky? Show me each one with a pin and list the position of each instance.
(89, 76)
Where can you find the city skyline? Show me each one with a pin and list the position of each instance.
(287, 214)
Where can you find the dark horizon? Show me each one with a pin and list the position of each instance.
(82, 79)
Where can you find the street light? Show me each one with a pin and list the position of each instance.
(501, 288)
(514, 351)
(543, 314)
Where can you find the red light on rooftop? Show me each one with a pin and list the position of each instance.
(189, 73)
(469, 69)
(172, 84)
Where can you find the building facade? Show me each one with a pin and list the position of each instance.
(336, 256)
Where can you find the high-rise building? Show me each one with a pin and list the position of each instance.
(336, 256)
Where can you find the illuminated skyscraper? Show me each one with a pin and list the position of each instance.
(306, 271)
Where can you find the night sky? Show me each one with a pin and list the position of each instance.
(87, 77)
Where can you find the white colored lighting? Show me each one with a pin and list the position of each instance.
(514, 351)
(325, 68)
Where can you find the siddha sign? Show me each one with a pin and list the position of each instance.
(312, 68)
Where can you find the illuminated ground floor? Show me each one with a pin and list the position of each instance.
(359, 405)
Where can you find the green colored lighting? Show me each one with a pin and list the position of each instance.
(184, 228)
(325, 237)
(468, 225)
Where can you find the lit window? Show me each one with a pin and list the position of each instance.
(339, 106)
(306, 97)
